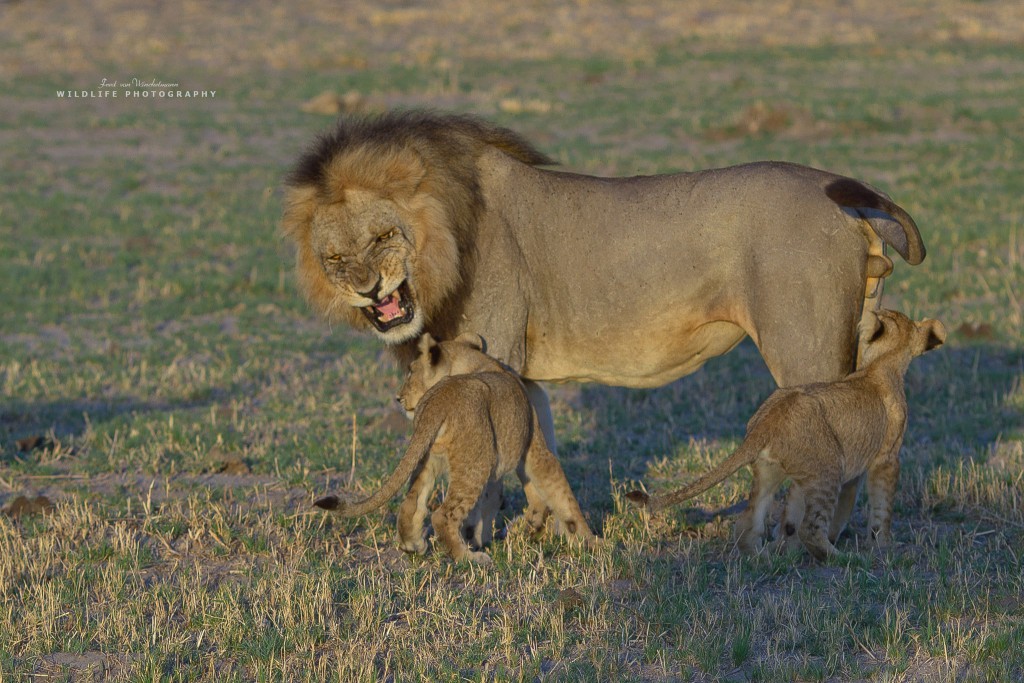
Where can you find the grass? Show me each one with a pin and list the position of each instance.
(191, 408)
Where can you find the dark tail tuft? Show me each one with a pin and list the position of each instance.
(906, 239)
(638, 498)
(328, 503)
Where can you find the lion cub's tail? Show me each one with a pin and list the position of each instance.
(425, 430)
(745, 454)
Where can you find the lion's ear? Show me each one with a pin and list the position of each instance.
(472, 339)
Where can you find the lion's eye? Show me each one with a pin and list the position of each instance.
(384, 237)
(333, 258)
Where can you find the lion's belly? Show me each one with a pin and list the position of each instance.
(630, 356)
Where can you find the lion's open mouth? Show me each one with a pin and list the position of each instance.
(393, 310)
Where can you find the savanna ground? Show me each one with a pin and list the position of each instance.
(169, 407)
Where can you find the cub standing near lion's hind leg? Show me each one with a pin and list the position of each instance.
(418, 221)
(825, 435)
(472, 419)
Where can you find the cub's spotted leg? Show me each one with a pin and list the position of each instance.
(844, 508)
(820, 494)
(478, 529)
(882, 478)
(413, 510)
(750, 527)
(448, 519)
(786, 538)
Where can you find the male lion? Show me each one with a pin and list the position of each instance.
(823, 436)
(473, 420)
(413, 222)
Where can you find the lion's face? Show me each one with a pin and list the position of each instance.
(367, 251)
(383, 212)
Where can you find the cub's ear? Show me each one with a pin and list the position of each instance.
(425, 342)
(936, 332)
(472, 339)
(429, 348)
(870, 328)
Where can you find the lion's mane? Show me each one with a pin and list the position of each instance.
(423, 161)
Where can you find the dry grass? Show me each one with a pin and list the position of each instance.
(163, 388)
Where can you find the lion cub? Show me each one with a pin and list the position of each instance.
(824, 436)
(474, 421)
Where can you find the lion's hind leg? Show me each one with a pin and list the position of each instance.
(808, 334)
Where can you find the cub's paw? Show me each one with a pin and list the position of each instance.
(881, 539)
(536, 518)
(415, 546)
(821, 549)
(786, 539)
(590, 541)
(477, 557)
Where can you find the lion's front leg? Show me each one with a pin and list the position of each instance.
(542, 408)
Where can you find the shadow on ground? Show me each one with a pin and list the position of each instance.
(26, 426)
(960, 397)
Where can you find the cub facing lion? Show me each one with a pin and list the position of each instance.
(416, 221)
(824, 436)
(473, 420)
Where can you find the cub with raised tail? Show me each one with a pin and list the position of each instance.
(474, 420)
(824, 437)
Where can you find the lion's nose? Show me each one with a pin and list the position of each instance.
(367, 284)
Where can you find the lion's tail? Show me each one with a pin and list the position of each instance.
(902, 235)
(744, 455)
(425, 429)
